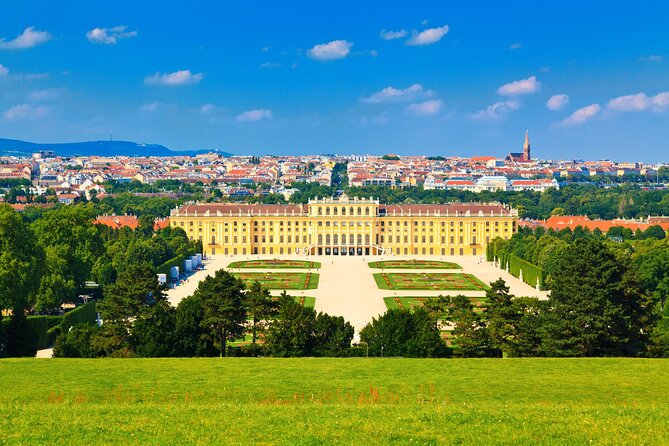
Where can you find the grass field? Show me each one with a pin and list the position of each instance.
(411, 302)
(275, 264)
(429, 281)
(335, 401)
(413, 264)
(282, 281)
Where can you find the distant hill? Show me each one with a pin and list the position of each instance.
(100, 148)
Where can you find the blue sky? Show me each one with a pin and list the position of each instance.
(588, 79)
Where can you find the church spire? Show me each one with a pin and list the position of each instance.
(526, 146)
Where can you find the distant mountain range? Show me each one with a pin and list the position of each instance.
(100, 148)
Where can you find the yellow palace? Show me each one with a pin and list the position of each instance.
(345, 226)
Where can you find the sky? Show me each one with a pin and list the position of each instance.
(588, 79)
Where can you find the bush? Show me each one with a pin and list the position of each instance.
(85, 314)
(75, 342)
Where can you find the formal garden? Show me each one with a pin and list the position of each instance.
(413, 264)
(274, 264)
(412, 302)
(282, 281)
(429, 281)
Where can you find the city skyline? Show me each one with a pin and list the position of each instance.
(425, 78)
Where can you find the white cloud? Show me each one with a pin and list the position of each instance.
(582, 114)
(519, 87)
(109, 36)
(651, 58)
(207, 109)
(391, 94)
(556, 102)
(337, 49)
(181, 77)
(392, 35)
(48, 94)
(427, 108)
(254, 115)
(630, 103)
(516, 46)
(4, 71)
(27, 39)
(428, 36)
(496, 111)
(27, 112)
(661, 101)
(150, 107)
(639, 102)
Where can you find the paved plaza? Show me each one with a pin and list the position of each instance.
(347, 286)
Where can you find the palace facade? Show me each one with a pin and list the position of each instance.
(346, 226)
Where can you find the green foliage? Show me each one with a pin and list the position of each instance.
(84, 314)
(404, 333)
(75, 342)
(72, 245)
(470, 337)
(260, 307)
(596, 307)
(224, 313)
(21, 339)
(21, 261)
(298, 331)
(191, 336)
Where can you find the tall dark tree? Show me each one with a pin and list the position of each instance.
(191, 337)
(291, 332)
(332, 336)
(259, 307)
(130, 299)
(596, 306)
(21, 261)
(222, 298)
(400, 332)
(469, 335)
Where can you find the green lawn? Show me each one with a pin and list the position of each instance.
(413, 264)
(275, 264)
(306, 301)
(429, 281)
(411, 302)
(335, 401)
(282, 281)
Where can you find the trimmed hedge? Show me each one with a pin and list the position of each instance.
(531, 273)
(497, 249)
(85, 314)
(176, 261)
(45, 329)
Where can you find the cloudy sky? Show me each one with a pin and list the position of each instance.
(588, 79)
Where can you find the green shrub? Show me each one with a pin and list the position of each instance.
(85, 314)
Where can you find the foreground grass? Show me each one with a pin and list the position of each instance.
(334, 401)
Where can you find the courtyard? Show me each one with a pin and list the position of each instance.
(346, 285)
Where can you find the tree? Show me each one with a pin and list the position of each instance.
(154, 334)
(75, 343)
(222, 298)
(130, 299)
(191, 337)
(596, 306)
(21, 341)
(399, 332)
(332, 336)
(260, 307)
(21, 261)
(291, 332)
(470, 337)
(72, 245)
